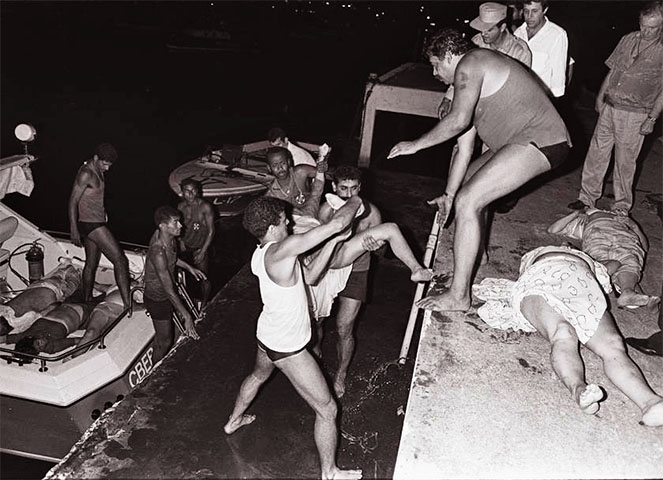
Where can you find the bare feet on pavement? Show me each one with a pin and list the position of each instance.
(339, 386)
(337, 473)
(236, 423)
(631, 299)
(445, 302)
(589, 399)
(422, 275)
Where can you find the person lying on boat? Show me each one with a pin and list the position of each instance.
(560, 293)
(49, 333)
(39, 297)
(161, 296)
(198, 220)
(301, 186)
(618, 243)
(277, 137)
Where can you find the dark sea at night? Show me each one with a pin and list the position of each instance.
(87, 72)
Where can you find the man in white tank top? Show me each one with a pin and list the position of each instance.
(284, 325)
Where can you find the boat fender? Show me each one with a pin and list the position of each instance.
(35, 259)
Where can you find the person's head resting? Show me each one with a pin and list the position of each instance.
(277, 137)
(491, 22)
(191, 189)
(534, 12)
(346, 181)
(167, 219)
(262, 214)
(279, 162)
(105, 155)
(31, 345)
(651, 19)
(443, 48)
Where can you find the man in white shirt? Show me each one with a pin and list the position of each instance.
(549, 45)
(277, 137)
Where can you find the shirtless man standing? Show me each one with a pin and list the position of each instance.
(87, 222)
(513, 116)
(284, 325)
(198, 219)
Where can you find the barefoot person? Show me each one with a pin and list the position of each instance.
(560, 294)
(515, 119)
(198, 219)
(284, 325)
(87, 222)
(160, 294)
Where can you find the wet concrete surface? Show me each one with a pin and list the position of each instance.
(171, 425)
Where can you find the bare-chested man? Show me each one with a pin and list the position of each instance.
(87, 222)
(513, 116)
(284, 325)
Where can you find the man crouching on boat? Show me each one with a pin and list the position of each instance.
(160, 295)
(284, 325)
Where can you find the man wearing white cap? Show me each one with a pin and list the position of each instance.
(492, 23)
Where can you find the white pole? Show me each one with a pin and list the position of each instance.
(414, 311)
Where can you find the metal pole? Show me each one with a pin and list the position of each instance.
(414, 311)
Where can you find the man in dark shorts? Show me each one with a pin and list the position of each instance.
(161, 297)
(346, 183)
(198, 219)
(87, 222)
(284, 325)
(502, 102)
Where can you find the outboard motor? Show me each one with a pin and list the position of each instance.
(35, 258)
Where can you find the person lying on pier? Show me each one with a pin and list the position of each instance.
(618, 243)
(301, 186)
(499, 100)
(284, 325)
(198, 220)
(39, 297)
(560, 293)
(160, 296)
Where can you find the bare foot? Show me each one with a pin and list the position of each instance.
(234, 424)
(341, 474)
(630, 299)
(445, 302)
(422, 275)
(653, 416)
(589, 399)
(339, 385)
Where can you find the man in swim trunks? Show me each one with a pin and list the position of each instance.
(346, 183)
(560, 293)
(516, 120)
(160, 293)
(198, 219)
(301, 186)
(284, 325)
(87, 222)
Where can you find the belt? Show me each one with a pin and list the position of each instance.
(606, 99)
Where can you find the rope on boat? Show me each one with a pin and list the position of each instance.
(431, 247)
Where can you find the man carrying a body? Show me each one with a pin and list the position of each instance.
(516, 120)
(284, 325)
(198, 219)
(87, 222)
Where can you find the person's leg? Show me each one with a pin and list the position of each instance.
(564, 354)
(205, 285)
(99, 319)
(509, 168)
(597, 158)
(319, 324)
(348, 309)
(628, 142)
(92, 256)
(106, 242)
(305, 375)
(608, 344)
(247, 392)
(351, 249)
(163, 337)
(8, 227)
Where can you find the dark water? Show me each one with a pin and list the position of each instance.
(86, 72)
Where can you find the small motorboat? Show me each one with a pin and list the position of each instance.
(48, 403)
(231, 176)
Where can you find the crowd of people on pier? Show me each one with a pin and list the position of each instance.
(506, 89)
